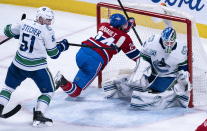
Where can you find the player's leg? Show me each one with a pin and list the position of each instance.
(90, 64)
(182, 88)
(13, 79)
(44, 80)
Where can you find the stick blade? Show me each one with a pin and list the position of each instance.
(23, 16)
(12, 112)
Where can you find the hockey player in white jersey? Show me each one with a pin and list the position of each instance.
(37, 40)
(161, 77)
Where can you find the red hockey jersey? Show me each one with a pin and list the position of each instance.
(108, 36)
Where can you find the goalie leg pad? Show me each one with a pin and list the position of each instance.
(150, 101)
(110, 89)
(117, 88)
(180, 90)
(183, 79)
(183, 100)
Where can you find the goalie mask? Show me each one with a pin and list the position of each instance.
(45, 16)
(168, 37)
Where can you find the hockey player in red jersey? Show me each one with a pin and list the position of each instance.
(91, 61)
(202, 127)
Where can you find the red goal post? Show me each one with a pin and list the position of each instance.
(104, 10)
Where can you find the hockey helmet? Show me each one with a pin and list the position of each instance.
(45, 12)
(117, 20)
(168, 37)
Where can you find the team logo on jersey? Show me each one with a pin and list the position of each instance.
(161, 66)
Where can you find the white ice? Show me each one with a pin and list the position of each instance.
(90, 111)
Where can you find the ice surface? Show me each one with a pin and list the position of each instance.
(91, 111)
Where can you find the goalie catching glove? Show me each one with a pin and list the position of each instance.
(142, 71)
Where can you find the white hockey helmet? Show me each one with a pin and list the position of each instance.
(46, 13)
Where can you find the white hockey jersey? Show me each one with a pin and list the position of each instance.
(36, 42)
(164, 64)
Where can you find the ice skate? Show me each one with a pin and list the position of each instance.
(59, 80)
(39, 120)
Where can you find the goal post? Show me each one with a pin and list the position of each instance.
(150, 22)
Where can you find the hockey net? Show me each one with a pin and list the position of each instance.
(150, 20)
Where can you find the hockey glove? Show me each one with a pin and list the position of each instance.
(16, 37)
(63, 45)
(131, 23)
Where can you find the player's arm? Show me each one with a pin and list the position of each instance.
(133, 53)
(12, 30)
(53, 49)
(130, 49)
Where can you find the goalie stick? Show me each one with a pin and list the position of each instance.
(11, 112)
(135, 32)
(22, 18)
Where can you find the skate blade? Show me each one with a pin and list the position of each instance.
(41, 124)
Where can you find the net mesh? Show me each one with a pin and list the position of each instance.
(148, 25)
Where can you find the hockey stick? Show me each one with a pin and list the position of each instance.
(22, 18)
(18, 107)
(12, 112)
(135, 32)
(88, 46)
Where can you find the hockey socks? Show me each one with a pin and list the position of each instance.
(71, 89)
